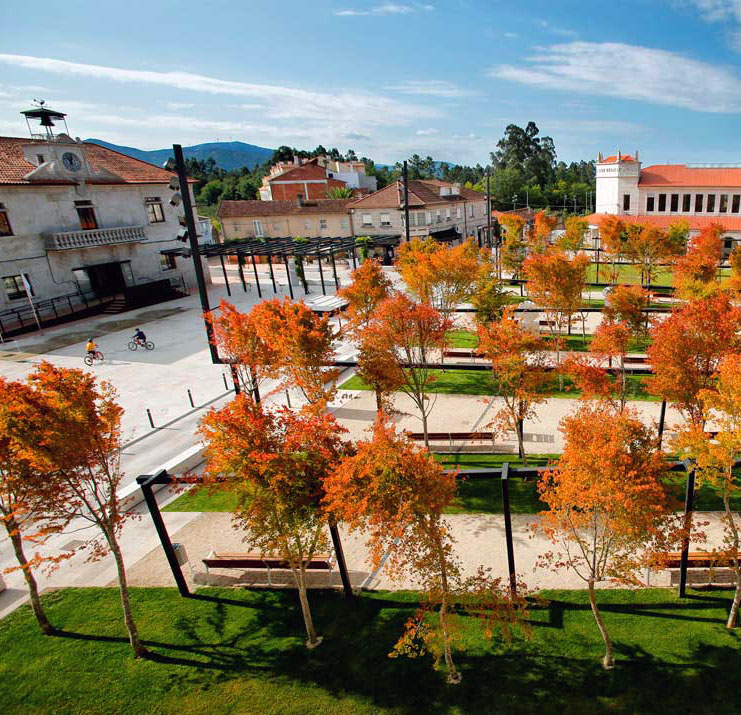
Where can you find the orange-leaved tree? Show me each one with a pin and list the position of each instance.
(628, 304)
(714, 457)
(81, 443)
(606, 500)
(572, 238)
(23, 483)
(238, 338)
(687, 349)
(275, 464)
(396, 493)
(734, 282)
(302, 343)
(611, 340)
(649, 245)
(613, 240)
(514, 248)
(414, 334)
(518, 371)
(695, 273)
(543, 225)
(369, 287)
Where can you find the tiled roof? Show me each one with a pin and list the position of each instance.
(696, 223)
(300, 173)
(690, 176)
(421, 193)
(13, 165)
(615, 160)
(240, 209)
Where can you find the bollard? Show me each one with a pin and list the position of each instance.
(226, 384)
(151, 421)
(190, 398)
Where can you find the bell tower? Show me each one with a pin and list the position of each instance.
(617, 183)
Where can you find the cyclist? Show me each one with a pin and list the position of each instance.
(139, 337)
(91, 347)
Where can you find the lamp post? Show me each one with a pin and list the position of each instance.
(405, 175)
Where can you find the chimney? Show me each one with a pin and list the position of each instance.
(599, 157)
(619, 156)
(299, 200)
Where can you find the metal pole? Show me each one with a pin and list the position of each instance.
(405, 173)
(145, 484)
(288, 275)
(151, 421)
(689, 500)
(193, 242)
(288, 399)
(226, 279)
(190, 398)
(508, 529)
(662, 415)
(321, 272)
(488, 210)
(334, 269)
(354, 264)
(272, 275)
(340, 556)
(235, 379)
(226, 384)
(257, 279)
(240, 263)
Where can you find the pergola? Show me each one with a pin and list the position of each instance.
(282, 249)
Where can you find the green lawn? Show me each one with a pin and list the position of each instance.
(462, 339)
(241, 651)
(478, 382)
(575, 342)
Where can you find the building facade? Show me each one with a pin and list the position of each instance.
(303, 178)
(79, 219)
(435, 208)
(661, 194)
(280, 219)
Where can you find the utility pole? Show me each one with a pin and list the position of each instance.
(488, 210)
(195, 255)
(514, 202)
(405, 174)
(574, 203)
(527, 199)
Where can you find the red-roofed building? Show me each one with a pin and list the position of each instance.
(80, 220)
(664, 193)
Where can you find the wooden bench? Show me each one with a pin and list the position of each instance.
(695, 559)
(716, 565)
(248, 562)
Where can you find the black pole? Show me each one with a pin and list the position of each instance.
(488, 210)
(508, 530)
(406, 201)
(354, 263)
(151, 421)
(235, 379)
(340, 556)
(226, 384)
(321, 272)
(288, 275)
(190, 398)
(334, 269)
(272, 275)
(145, 484)
(257, 279)
(193, 242)
(223, 271)
(662, 415)
(689, 500)
(240, 264)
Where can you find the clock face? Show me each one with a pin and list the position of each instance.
(71, 161)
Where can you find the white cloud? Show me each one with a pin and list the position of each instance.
(388, 8)
(281, 103)
(718, 10)
(429, 87)
(177, 106)
(511, 35)
(629, 72)
(426, 132)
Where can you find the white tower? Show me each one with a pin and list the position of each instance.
(617, 184)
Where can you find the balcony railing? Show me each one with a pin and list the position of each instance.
(94, 237)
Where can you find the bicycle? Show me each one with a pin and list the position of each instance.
(97, 356)
(134, 344)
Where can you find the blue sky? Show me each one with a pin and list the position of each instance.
(388, 78)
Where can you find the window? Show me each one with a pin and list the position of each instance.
(458, 213)
(386, 220)
(698, 203)
(470, 210)
(438, 216)
(168, 262)
(322, 224)
(14, 288)
(447, 214)
(86, 214)
(723, 203)
(83, 280)
(343, 223)
(40, 158)
(307, 225)
(276, 227)
(711, 203)
(257, 225)
(626, 202)
(674, 206)
(5, 229)
(421, 219)
(155, 212)
(686, 202)
(428, 217)
(662, 202)
(650, 200)
(735, 203)
(367, 220)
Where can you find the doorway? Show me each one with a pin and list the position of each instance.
(107, 279)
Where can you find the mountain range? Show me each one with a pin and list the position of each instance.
(227, 155)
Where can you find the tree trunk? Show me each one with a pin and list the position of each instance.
(312, 641)
(33, 589)
(521, 442)
(424, 429)
(608, 661)
(139, 650)
(454, 676)
(733, 613)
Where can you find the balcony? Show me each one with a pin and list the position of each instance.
(94, 237)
